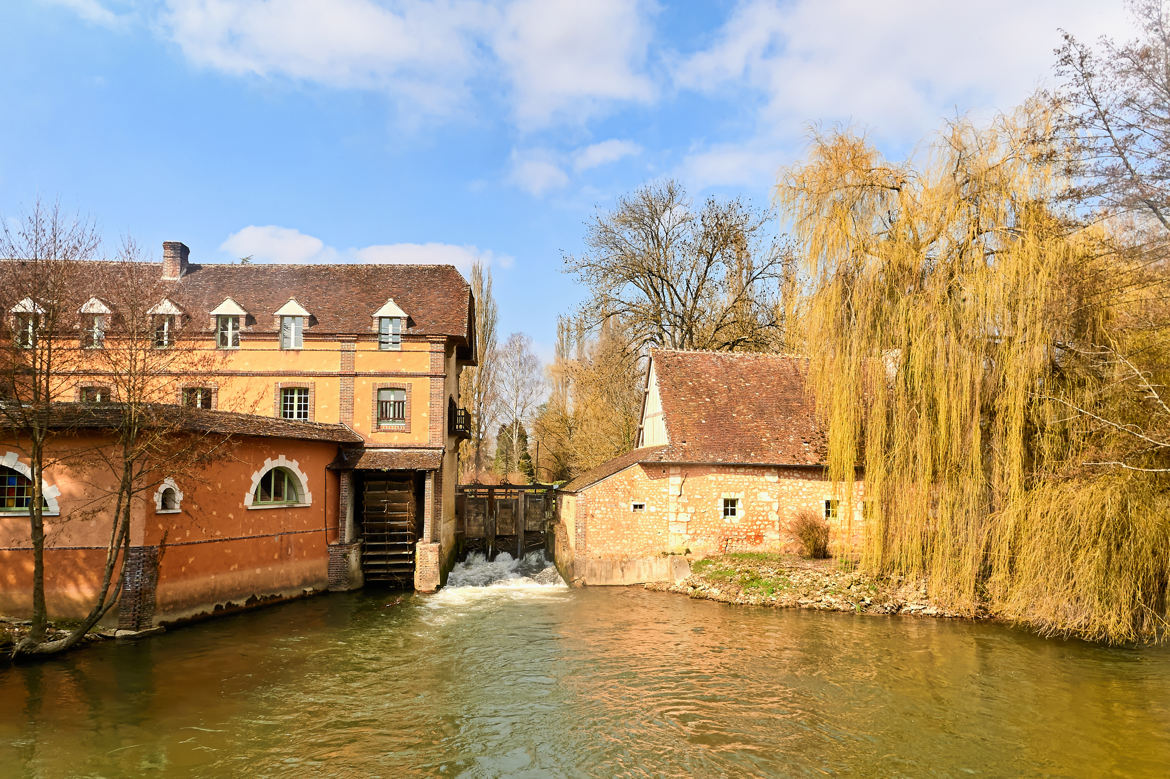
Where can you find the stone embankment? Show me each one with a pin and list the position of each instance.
(782, 581)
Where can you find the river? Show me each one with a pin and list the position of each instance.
(519, 678)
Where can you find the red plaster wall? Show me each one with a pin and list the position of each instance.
(214, 551)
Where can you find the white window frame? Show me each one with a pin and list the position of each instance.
(94, 331)
(26, 328)
(164, 330)
(292, 332)
(303, 493)
(296, 403)
(832, 508)
(390, 333)
(733, 503)
(227, 331)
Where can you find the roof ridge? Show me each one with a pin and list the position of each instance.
(728, 353)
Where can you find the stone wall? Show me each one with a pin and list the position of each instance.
(651, 511)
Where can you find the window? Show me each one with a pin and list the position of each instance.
(292, 332)
(390, 333)
(831, 507)
(169, 500)
(164, 331)
(95, 395)
(227, 332)
(638, 506)
(294, 403)
(277, 486)
(391, 407)
(25, 333)
(730, 508)
(93, 333)
(197, 397)
(15, 491)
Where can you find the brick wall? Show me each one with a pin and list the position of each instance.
(139, 585)
(683, 510)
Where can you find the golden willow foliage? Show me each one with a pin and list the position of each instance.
(967, 352)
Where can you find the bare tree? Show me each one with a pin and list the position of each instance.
(478, 383)
(521, 386)
(685, 279)
(1117, 100)
(38, 280)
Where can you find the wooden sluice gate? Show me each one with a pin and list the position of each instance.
(511, 518)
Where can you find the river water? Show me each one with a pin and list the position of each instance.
(523, 678)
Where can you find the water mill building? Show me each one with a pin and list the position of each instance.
(333, 394)
(728, 452)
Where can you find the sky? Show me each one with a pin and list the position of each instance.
(400, 131)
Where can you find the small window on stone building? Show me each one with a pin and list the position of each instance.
(638, 506)
(831, 508)
(730, 508)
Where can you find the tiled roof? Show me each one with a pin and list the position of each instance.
(399, 460)
(108, 415)
(737, 407)
(610, 467)
(341, 298)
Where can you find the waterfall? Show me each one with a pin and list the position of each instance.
(532, 570)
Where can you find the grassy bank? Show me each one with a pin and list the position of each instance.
(756, 579)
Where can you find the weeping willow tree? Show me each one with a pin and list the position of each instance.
(992, 366)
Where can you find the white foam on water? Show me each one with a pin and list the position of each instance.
(479, 579)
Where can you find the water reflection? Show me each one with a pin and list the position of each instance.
(524, 678)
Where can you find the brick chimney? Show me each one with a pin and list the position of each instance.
(174, 260)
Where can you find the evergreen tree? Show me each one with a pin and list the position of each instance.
(523, 456)
(504, 454)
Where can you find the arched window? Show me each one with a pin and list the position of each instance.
(279, 482)
(168, 499)
(15, 491)
(279, 486)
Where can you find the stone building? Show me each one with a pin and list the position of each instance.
(728, 452)
(356, 367)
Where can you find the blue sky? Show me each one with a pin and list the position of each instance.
(343, 130)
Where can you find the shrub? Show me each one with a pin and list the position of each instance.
(812, 531)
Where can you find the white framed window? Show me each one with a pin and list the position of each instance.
(390, 333)
(93, 333)
(227, 332)
(197, 397)
(391, 407)
(168, 498)
(638, 505)
(94, 394)
(294, 403)
(25, 330)
(731, 508)
(832, 508)
(164, 331)
(292, 332)
(280, 482)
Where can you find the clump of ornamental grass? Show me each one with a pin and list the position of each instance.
(812, 533)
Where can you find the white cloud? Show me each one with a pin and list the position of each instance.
(270, 243)
(421, 53)
(91, 11)
(897, 67)
(604, 153)
(536, 171)
(568, 59)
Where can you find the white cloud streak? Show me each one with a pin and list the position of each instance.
(271, 243)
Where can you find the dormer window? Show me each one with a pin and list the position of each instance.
(227, 332)
(26, 323)
(391, 320)
(292, 332)
(292, 324)
(93, 331)
(164, 318)
(229, 316)
(390, 333)
(164, 330)
(95, 318)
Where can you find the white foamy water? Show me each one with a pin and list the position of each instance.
(477, 581)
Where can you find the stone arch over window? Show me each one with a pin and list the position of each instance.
(168, 498)
(11, 461)
(293, 469)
